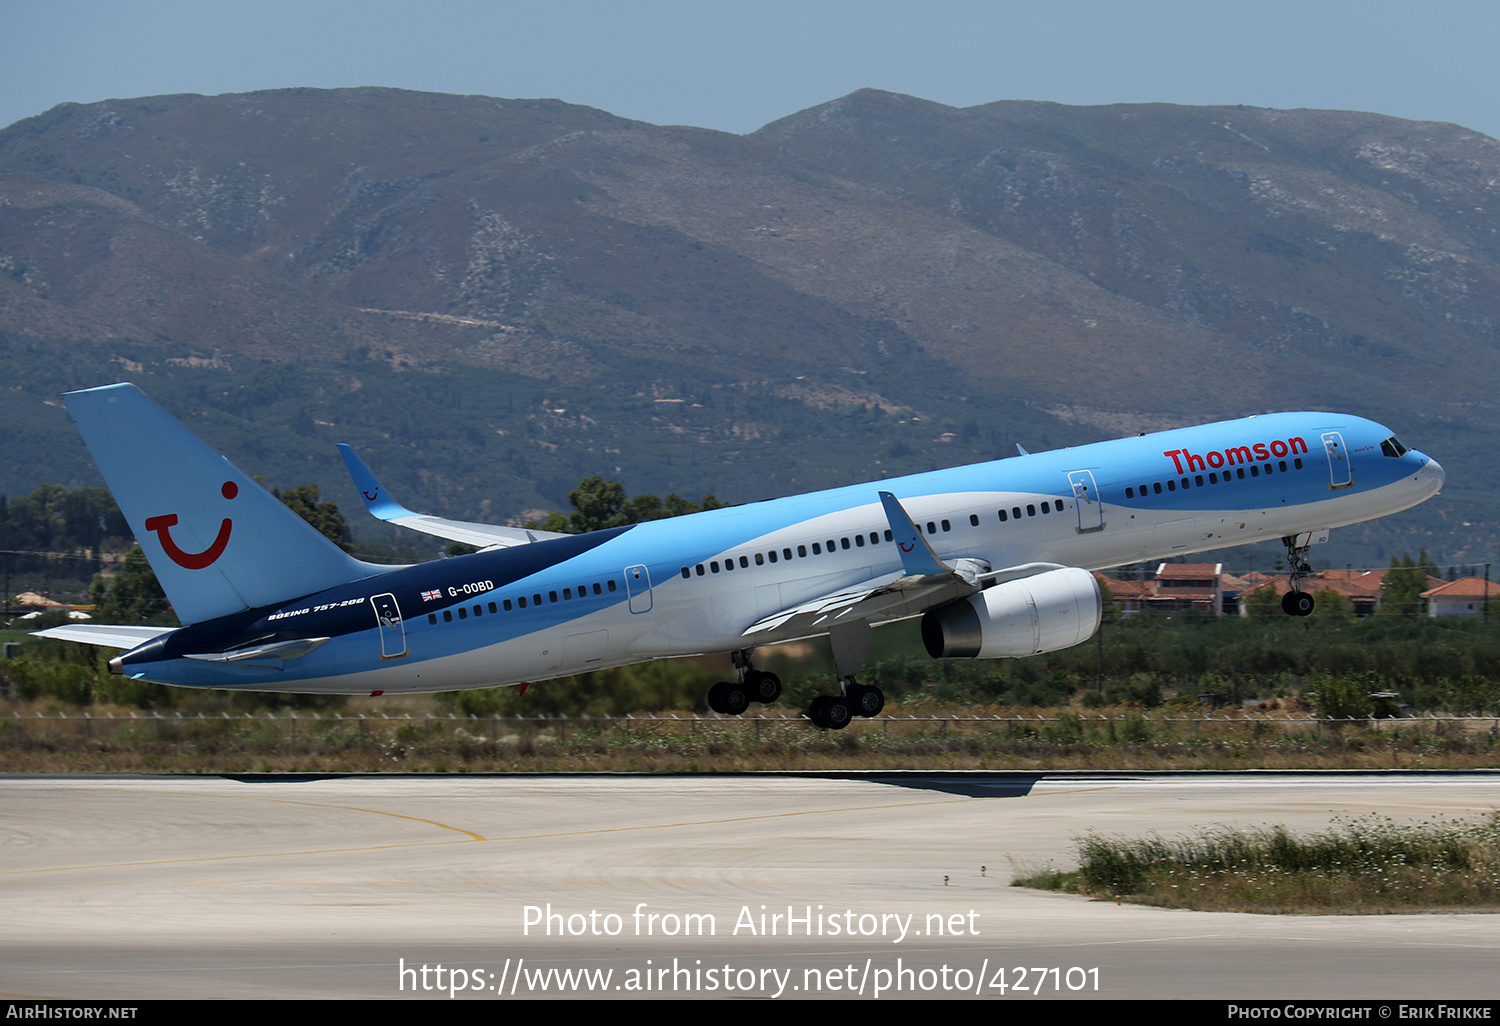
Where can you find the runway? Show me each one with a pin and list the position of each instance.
(844, 886)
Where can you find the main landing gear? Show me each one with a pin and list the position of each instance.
(1297, 602)
(732, 698)
(830, 712)
(851, 643)
(834, 712)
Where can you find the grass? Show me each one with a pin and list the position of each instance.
(1120, 739)
(1370, 865)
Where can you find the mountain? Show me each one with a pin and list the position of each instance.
(494, 298)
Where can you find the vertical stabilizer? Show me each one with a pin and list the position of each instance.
(219, 542)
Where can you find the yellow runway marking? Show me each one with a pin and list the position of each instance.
(473, 837)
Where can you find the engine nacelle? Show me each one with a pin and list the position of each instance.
(1057, 609)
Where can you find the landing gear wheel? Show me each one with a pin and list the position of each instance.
(865, 699)
(830, 712)
(728, 699)
(1297, 603)
(762, 686)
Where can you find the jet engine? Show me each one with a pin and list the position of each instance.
(1053, 610)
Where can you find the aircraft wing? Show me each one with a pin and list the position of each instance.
(923, 582)
(102, 634)
(894, 596)
(381, 506)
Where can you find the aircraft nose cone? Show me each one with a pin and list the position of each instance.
(1433, 474)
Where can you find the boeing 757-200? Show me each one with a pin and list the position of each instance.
(996, 559)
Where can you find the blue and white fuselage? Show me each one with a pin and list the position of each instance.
(725, 580)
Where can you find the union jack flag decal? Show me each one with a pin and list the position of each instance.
(431, 596)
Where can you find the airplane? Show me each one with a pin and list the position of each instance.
(996, 558)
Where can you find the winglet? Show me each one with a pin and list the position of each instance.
(1021, 449)
(917, 557)
(379, 504)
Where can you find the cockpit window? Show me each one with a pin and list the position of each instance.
(1393, 448)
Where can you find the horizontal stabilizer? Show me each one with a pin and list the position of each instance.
(380, 505)
(104, 635)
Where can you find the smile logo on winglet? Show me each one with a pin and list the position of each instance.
(162, 525)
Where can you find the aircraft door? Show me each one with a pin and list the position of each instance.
(1086, 501)
(1340, 474)
(638, 585)
(392, 630)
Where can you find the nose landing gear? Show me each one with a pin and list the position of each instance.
(1297, 602)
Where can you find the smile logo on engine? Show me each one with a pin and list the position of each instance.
(162, 525)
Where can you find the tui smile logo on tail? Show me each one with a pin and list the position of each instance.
(162, 525)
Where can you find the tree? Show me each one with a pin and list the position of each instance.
(599, 504)
(305, 501)
(1401, 591)
(1332, 605)
(1263, 603)
(132, 596)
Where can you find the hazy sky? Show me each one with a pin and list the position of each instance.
(736, 66)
